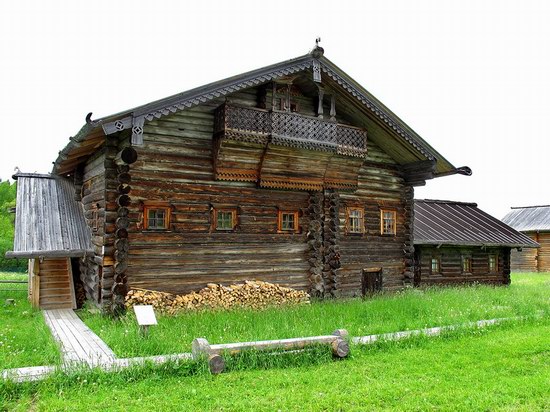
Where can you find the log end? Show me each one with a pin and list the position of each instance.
(200, 348)
(340, 348)
(216, 364)
(343, 333)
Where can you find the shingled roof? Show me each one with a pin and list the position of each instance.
(443, 222)
(412, 146)
(48, 221)
(529, 218)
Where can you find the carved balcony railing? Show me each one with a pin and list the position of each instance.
(289, 129)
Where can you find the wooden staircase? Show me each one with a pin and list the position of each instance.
(56, 290)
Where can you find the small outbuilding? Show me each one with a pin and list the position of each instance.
(534, 222)
(457, 242)
(50, 231)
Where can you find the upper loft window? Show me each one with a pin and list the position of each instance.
(156, 217)
(287, 221)
(225, 219)
(466, 264)
(388, 222)
(493, 263)
(355, 222)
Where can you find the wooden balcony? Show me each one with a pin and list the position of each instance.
(289, 129)
(284, 150)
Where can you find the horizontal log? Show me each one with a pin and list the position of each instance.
(49, 253)
(200, 346)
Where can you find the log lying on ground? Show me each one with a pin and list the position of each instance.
(214, 353)
(251, 294)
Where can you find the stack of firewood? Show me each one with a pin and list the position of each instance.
(251, 294)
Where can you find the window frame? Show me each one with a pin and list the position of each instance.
(95, 218)
(167, 217)
(294, 213)
(438, 260)
(232, 211)
(361, 218)
(469, 268)
(495, 257)
(394, 220)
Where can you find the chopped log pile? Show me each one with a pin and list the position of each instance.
(251, 294)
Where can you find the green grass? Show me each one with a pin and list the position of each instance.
(502, 368)
(25, 340)
(410, 309)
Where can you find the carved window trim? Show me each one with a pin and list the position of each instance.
(165, 219)
(354, 212)
(466, 264)
(231, 212)
(388, 215)
(492, 261)
(281, 221)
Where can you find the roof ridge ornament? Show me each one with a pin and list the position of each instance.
(317, 51)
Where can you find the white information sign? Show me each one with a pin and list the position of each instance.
(145, 315)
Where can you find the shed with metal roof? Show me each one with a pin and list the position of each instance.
(458, 242)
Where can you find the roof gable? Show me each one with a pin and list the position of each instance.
(322, 69)
(441, 222)
(530, 218)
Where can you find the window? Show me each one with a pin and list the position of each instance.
(466, 264)
(493, 263)
(156, 218)
(436, 265)
(287, 221)
(387, 222)
(355, 220)
(225, 219)
(95, 218)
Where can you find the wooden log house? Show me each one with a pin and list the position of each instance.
(456, 242)
(292, 174)
(534, 222)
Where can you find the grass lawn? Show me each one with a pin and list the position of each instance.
(499, 368)
(411, 309)
(25, 340)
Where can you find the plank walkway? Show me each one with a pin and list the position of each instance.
(79, 345)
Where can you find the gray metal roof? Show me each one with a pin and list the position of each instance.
(529, 218)
(443, 222)
(48, 221)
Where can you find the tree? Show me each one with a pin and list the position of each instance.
(8, 194)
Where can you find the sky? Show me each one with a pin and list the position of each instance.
(471, 77)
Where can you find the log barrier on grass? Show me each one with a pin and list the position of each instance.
(201, 349)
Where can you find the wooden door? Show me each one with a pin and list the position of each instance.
(371, 281)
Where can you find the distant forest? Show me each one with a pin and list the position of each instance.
(7, 203)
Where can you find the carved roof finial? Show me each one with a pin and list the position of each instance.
(318, 51)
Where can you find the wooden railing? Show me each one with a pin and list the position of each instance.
(290, 129)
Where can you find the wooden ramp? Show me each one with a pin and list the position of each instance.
(78, 343)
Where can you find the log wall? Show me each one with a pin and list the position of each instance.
(544, 252)
(380, 187)
(93, 201)
(175, 167)
(451, 265)
(533, 260)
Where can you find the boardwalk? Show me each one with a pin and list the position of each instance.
(79, 345)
